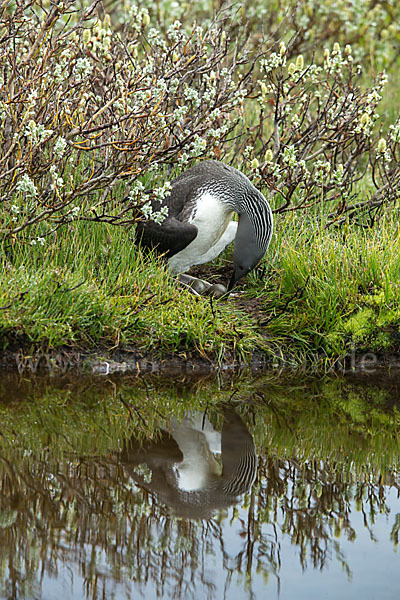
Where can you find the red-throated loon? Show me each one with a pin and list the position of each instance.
(199, 224)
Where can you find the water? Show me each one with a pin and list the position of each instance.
(126, 488)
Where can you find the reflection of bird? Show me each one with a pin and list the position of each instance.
(186, 474)
(199, 223)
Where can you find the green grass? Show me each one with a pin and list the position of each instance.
(320, 294)
(323, 293)
(331, 291)
(90, 287)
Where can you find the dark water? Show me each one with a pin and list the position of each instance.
(247, 488)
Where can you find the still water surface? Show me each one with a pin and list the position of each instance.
(126, 488)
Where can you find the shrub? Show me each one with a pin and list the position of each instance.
(87, 108)
(98, 107)
(322, 136)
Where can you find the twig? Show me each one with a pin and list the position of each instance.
(298, 294)
(17, 297)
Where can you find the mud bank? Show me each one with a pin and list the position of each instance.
(103, 361)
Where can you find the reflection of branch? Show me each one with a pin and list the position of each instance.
(81, 505)
(130, 408)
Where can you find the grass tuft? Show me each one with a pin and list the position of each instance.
(92, 287)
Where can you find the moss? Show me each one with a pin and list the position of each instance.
(360, 325)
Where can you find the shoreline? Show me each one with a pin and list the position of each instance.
(104, 362)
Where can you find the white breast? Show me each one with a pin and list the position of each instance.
(212, 218)
(199, 443)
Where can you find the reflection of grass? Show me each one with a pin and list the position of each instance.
(330, 420)
(324, 447)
